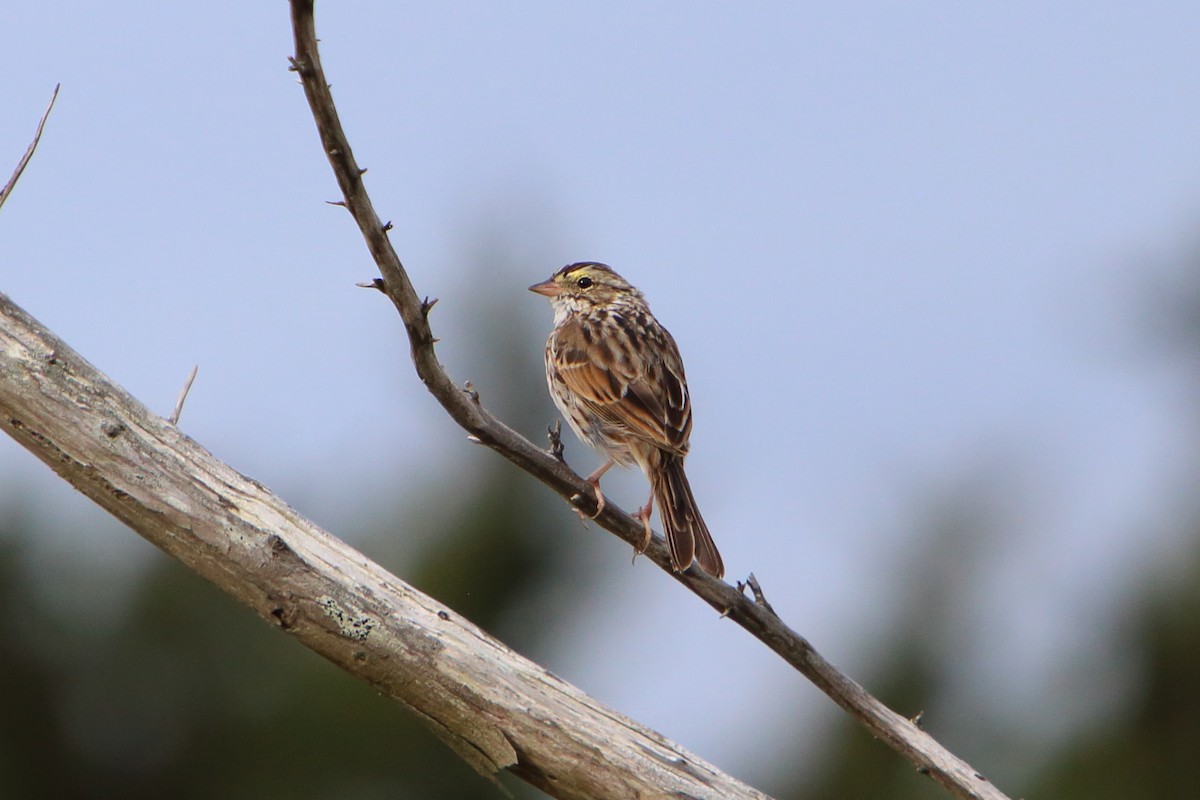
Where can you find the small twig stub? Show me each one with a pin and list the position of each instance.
(755, 589)
(374, 283)
(183, 393)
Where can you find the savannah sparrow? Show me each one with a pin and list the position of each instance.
(615, 374)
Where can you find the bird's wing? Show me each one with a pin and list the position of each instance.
(637, 386)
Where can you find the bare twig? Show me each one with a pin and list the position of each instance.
(8, 187)
(926, 753)
(183, 393)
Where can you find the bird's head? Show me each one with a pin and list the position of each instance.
(587, 286)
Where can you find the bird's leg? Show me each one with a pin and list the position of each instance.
(594, 480)
(644, 515)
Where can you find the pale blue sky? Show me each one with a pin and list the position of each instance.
(900, 245)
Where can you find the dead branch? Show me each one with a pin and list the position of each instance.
(928, 755)
(496, 709)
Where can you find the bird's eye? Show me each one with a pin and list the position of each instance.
(584, 283)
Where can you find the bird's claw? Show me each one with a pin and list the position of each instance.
(644, 515)
(600, 501)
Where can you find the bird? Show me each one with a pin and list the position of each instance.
(615, 374)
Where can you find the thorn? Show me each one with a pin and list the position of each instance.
(471, 393)
(341, 203)
(387, 226)
(917, 719)
(362, 171)
(376, 283)
(554, 434)
(725, 613)
(333, 151)
(474, 439)
(426, 306)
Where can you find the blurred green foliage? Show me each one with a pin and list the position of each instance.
(186, 694)
(189, 695)
(1151, 749)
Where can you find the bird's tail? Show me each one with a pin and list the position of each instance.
(687, 535)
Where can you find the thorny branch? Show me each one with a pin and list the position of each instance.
(926, 753)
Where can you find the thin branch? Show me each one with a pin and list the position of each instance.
(37, 137)
(496, 709)
(926, 753)
(183, 393)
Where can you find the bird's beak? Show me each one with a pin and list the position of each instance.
(547, 288)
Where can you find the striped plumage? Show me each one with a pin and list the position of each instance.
(615, 374)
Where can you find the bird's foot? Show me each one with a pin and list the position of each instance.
(600, 501)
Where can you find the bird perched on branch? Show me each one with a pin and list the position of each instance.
(615, 374)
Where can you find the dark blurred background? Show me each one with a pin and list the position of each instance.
(934, 273)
